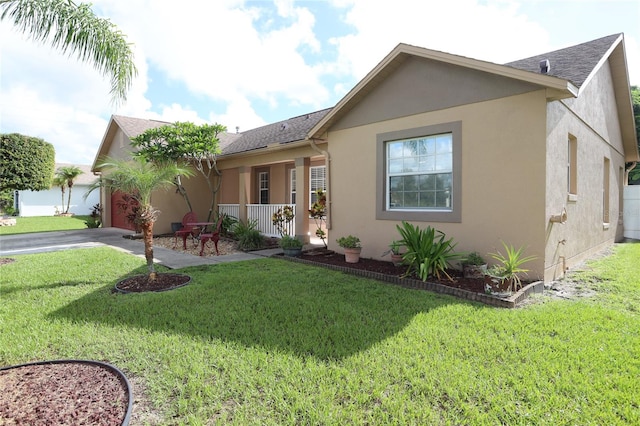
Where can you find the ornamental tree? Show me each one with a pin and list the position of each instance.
(185, 143)
(139, 179)
(26, 163)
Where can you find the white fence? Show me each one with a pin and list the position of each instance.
(262, 214)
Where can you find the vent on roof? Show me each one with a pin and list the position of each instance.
(237, 129)
(545, 66)
(283, 126)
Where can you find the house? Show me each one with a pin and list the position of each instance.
(531, 153)
(49, 202)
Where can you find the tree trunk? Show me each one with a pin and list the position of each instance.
(183, 192)
(68, 202)
(62, 206)
(147, 237)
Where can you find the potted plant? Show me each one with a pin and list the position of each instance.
(291, 246)
(505, 275)
(474, 266)
(352, 248)
(396, 256)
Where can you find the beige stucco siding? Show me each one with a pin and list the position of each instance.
(503, 177)
(592, 120)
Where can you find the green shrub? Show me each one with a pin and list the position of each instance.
(428, 253)
(248, 236)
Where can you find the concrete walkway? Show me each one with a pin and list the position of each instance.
(11, 245)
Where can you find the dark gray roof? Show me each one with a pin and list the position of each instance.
(133, 127)
(286, 131)
(573, 63)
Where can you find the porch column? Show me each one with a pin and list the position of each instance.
(302, 198)
(244, 197)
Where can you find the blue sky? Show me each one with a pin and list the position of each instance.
(249, 63)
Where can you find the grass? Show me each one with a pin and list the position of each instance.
(25, 225)
(272, 342)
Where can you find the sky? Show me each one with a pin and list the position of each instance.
(244, 64)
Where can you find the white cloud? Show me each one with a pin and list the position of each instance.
(230, 61)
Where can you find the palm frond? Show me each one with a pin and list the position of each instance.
(76, 29)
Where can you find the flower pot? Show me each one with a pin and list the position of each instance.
(352, 255)
(292, 252)
(474, 271)
(396, 259)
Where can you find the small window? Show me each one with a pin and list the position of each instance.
(317, 180)
(605, 190)
(263, 180)
(292, 186)
(572, 167)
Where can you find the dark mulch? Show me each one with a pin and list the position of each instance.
(73, 393)
(387, 268)
(142, 283)
(6, 260)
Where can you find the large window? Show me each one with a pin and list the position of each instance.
(419, 174)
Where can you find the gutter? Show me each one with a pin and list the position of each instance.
(327, 161)
(626, 173)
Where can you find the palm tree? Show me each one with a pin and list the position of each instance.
(69, 175)
(62, 183)
(140, 179)
(76, 29)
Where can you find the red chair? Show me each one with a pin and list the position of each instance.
(186, 230)
(213, 236)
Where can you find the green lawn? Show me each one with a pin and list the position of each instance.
(25, 225)
(272, 342)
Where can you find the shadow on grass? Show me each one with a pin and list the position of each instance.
(269, 303)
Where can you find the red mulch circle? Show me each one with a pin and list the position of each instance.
(63, 393)
(163, 282)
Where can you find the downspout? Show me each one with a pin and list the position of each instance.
(327, 162)
(626, 173)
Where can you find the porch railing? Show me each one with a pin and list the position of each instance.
(262, 214)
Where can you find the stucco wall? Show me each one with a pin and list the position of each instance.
(503, 177)
(592, 119)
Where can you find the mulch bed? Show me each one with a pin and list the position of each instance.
(62, 393)
(328, 257)
(141, 283)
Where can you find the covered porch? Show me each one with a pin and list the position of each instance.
(255, 192)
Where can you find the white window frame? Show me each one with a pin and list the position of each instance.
(263, 186)
(413, 159)
(317, 180)
(450, 215)
(292, 186)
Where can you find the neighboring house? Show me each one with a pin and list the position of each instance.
(531, 153)
(49, 202)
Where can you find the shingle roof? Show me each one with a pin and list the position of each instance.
(573, 63)
(86, 178)
(282, 132)
(133, 127)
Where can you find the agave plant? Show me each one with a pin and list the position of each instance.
(508, 269)
(428, 252)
